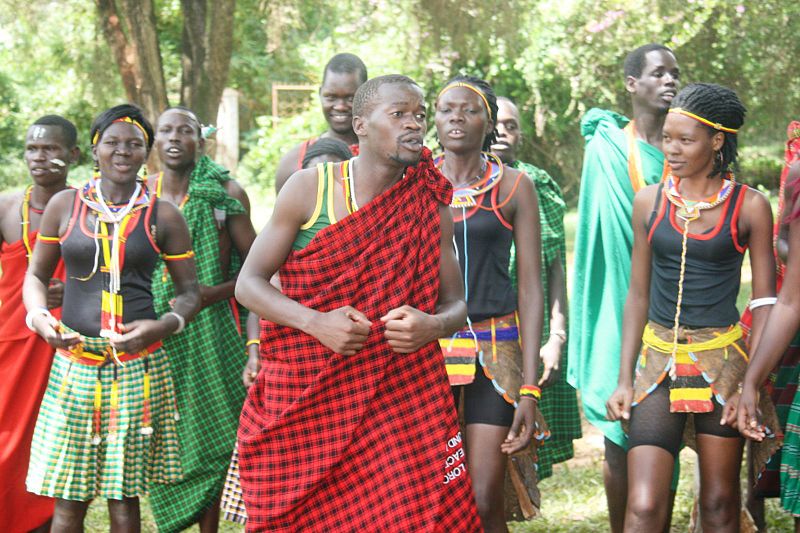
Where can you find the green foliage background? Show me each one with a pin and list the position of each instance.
(555, 58)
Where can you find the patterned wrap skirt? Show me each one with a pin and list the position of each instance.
(699, 375)
(95, 439)
(500, 356)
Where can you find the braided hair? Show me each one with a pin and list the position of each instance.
(491, 100)
(719, 105)
(107, 118)
(327, 146)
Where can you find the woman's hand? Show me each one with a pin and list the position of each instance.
(55, 293)
(729, 411)
(519, 436)
(748, 417)
(50, 330)
(618, 406)
(139, 334)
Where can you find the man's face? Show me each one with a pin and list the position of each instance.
(47, 155)
(508, 131)
(336, 97)
(177, 139)
(659, 82)
(395, 128)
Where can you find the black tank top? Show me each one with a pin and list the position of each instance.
(485, 259)
(82, 299)
(713, 266)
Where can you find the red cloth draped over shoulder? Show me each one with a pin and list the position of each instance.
(368, 442)
(25, 360)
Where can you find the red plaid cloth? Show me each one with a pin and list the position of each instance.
(368, 442)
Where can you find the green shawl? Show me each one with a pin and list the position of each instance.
(603, 246)
(206, 361)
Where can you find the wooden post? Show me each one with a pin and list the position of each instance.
(227, 150)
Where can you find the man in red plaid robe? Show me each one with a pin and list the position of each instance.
(350, 425)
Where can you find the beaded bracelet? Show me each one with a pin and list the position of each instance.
(530, 391)
(252, 342)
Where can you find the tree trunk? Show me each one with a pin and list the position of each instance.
(207, 53)
(130, 30)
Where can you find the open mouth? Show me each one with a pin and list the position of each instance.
(456, 134)
(500, 146)
(668, 95)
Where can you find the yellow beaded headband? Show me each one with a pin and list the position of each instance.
(716, 125)
(129, 120)
(471, 88)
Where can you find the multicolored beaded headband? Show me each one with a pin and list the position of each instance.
(471, 88)
(129, 120)
(716, 125)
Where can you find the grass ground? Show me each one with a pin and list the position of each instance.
(573, 499)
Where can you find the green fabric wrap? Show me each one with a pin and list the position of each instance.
(206, 360)
(602, 266)
(559, 403)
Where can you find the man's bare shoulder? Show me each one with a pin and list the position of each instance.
(236, 190)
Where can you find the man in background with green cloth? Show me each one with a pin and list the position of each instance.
(559, 403)
(207, 358)
(621, 157)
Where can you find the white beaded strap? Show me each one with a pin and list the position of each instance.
(36, 311)
(180, 319)
(761, 302)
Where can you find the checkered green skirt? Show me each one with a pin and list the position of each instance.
(66, 462)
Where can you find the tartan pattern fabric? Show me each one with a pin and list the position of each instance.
(559, 403)
(368, 442)
(232, 503)
(207, 359)
(64, 462)
(790, 464)
(782, 387)
(25, 360)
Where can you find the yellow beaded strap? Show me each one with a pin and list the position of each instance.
(471, 88)
(26, 222)
(716, 125)
(48, 240)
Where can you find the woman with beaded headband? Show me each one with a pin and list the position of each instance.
(681, 324)
(779, 342)
(493, 362)
(106, 427)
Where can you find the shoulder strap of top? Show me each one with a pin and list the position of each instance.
(76, 209)
(659, 209)
(330, 185)
(320, 203)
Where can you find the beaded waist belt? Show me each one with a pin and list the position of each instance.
(79, 354)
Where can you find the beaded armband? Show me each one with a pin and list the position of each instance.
(178, 257)
(48, 240)
(252, 342)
